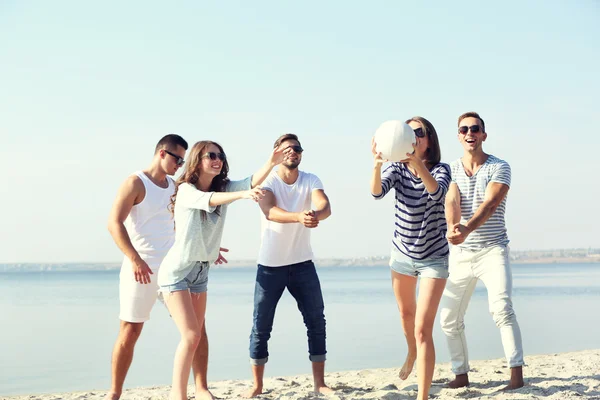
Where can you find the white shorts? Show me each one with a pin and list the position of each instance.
(137, 299)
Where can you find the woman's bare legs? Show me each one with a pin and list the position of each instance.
(430, 293)
(405, 287)
(181, 308)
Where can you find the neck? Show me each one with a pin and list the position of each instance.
(475, 158)
(204, 182)
(288, 175)
(156, 173)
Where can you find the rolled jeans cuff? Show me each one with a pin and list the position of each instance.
(317, 358)
(259, 361)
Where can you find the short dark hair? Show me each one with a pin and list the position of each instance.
(170, 141)
(283, 138)
(472, 114)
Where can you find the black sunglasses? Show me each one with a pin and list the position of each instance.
(297, 149)
(213, 156)
(180, 161)
(419, 132)
(465, 129)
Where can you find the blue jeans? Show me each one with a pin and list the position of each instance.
(302, 282)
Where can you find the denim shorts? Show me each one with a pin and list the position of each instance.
(196, 280)
(436, 268)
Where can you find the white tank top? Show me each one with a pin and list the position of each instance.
(150, 223)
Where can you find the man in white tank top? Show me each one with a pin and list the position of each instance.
(141, 224)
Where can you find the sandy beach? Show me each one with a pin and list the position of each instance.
(554, 376)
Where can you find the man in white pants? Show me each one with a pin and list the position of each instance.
(141, 224)
(475, 206)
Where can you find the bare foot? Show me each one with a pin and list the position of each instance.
(461, 380)
(324, 389)
(112, 396)
(408, 366)
(516, 379)
(204, 394)
(255, 391)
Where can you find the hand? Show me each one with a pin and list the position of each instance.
(377, 156)
(279, 154)
(255, 194)
(141, 271)
(308, 218)
(412, 160)
(221, 259)
(458, 234)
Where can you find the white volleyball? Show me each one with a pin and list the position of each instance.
(393, 139)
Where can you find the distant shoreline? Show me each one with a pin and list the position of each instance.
(326, 262)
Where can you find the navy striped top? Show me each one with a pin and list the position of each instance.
(420, 227)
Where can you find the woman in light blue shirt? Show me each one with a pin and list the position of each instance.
(199, 205)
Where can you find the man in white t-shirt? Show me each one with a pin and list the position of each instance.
(141, 224)
(475, 206)
(294, 203)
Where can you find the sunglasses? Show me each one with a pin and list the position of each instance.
(297, 149)
(465, 129)
(419, 132)
(213, 156)
(180, 161)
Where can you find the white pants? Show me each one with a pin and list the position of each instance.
(491, 265)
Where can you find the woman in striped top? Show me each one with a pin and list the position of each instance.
(419, 246)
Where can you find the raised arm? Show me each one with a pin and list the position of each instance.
(131, 192)
(276, 158)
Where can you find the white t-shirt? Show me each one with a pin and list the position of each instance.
(285, 244)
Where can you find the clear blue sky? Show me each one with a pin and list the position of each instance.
(88, 89)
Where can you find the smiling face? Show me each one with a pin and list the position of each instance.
(471, 141)
(210, 160)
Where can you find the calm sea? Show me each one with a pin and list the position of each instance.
(58, 329)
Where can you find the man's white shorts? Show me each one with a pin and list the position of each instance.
(137, 299)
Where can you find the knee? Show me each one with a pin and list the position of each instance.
(450, 322)
(423, 334)
(130, 332)
(192, 337)
(503, 314)
(315, 323)
(406, 314)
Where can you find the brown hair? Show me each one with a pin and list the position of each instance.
(434, 154)
(191, 172)
(284, 137)
(472, 114)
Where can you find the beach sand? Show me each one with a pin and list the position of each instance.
(554, 376)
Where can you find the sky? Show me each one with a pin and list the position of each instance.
(88, 88)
